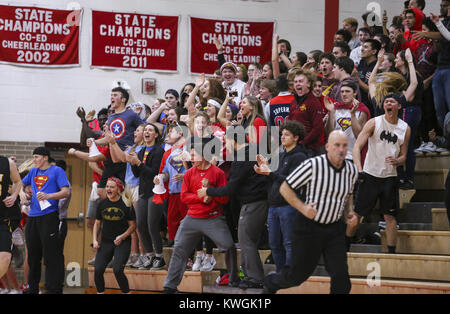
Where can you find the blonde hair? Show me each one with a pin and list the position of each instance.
(387, 83)
(310, 75)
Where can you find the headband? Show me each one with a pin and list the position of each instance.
(214, 103)
(118, 182)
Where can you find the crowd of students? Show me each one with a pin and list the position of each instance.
(154, 186)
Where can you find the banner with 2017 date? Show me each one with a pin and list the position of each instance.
(244, 42)
(134, 41)
(39, 37)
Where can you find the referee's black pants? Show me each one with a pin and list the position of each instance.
(43, 241)
(309, 241)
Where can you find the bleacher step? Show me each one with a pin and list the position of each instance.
(429, 162)
(153, 280)
(401, 266)
(430, 179)
(321, 285)
(440, 219)
(420, 242)
(417, 212)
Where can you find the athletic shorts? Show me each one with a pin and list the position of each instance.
(6, 229)
(111, 169)
(373, 189)
(132, 193)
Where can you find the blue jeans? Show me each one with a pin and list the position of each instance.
(281, 222)
(411, 115)
(441, 91)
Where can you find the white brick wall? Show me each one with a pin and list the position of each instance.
(39, 104)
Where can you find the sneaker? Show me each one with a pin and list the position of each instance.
(442, 150)
(420, 150)
(139, 262)
(429, 148)
(4, 291)
(91, 261)
(406, 185)
(14, 291)
(24, 288)
(132, 259)
(168, 290)
(148, 262)
(158, 263)
(248, 284)
(208, 263)
(198, 262)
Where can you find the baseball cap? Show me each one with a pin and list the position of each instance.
(229, 65)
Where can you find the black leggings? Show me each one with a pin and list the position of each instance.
(104, 255)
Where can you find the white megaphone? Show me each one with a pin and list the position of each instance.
(159, 188)
(93, 150)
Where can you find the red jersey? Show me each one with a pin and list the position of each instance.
(105, 151)
(193, 181)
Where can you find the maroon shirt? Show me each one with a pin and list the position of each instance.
(309, 113)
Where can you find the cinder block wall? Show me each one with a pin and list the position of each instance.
(22, 150)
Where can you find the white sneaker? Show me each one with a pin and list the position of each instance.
(429, 148)
(91, 261)
(15, 292)
(441, 150)
(4, 291)
(208, 263)
(420, 149)
(132, 259)
(139, 262)
(198, 262)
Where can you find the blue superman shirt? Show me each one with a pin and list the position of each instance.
(50, 180)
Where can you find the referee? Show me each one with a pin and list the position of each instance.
(328, 180)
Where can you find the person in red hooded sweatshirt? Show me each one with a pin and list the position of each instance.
(413, 20)
(204, 216)
(307, 110)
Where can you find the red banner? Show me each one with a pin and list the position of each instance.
(134, 41)
(244, 43)
(36, 36)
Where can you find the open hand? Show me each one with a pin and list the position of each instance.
(201, 192)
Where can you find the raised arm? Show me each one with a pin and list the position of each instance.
(411, 91)
(373, 75)
(275, 57)
(357, 124)
(221, 116)
(190, 102)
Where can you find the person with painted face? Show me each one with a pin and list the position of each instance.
(118, 223)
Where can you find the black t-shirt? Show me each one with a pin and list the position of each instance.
(115, 217)
(364, 71)
(12, 212)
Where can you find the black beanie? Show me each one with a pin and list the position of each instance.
(43, 151)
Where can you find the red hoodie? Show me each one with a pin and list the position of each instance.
(409, 41)
(193, 181)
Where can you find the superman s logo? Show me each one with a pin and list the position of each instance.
(40, 181)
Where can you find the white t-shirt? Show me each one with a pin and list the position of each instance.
(343, 120)
(385, 141)
(238, 86)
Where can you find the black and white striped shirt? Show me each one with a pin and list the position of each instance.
(325, 185)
